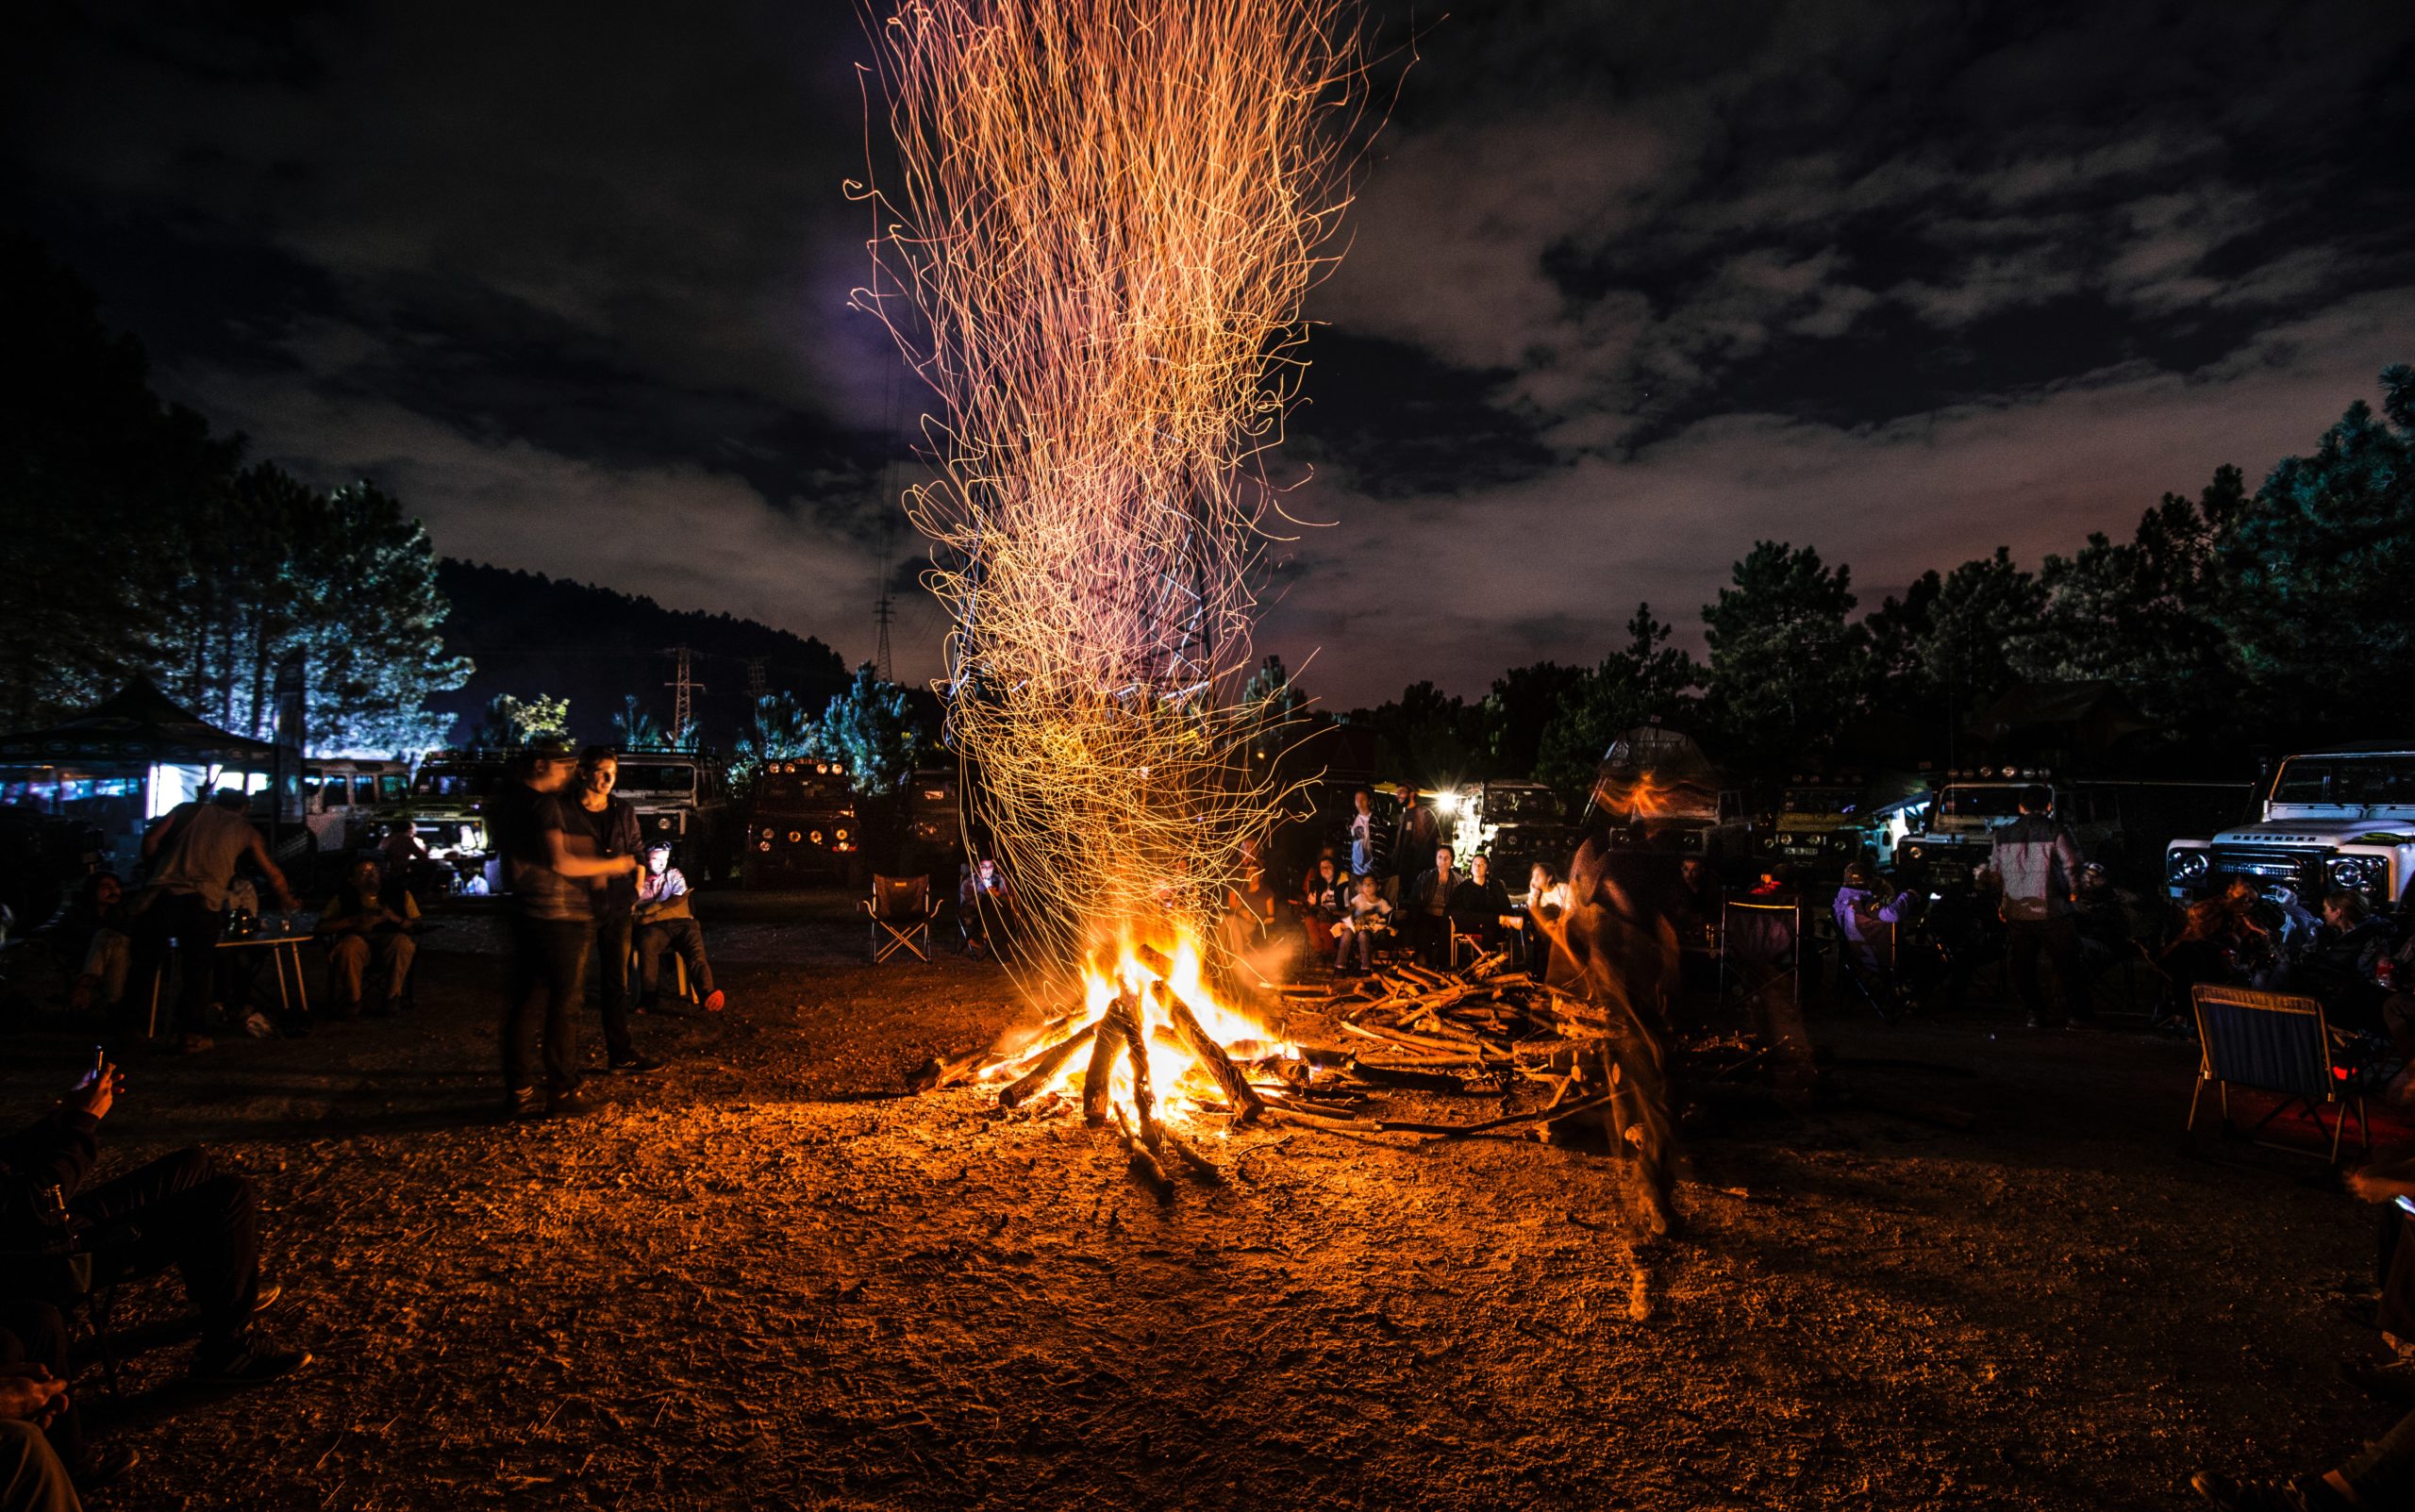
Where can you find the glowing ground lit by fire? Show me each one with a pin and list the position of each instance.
(763, 1280)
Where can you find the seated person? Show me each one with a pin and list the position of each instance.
(1428, 905)
(1480, 905)
(1366, 925)
(1325, 902)
(1249, 915)
(667, 921)
(177, 1210)
(1867, 908)
(1546, 898)
(34, 1379)
(90, 934)
(2102, 913)
(968, 911)
(2341, 966)
(367, 928)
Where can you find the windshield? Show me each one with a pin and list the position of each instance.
(1980, 802)
(673, 781)
(2349, 780)
(1522, 805)
(458, 782)
(1823, 801)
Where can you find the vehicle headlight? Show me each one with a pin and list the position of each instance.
(2358, 873)
(2187, 866)
(1915, 852)
(794, 836)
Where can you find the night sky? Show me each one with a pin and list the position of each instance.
(1629, 287)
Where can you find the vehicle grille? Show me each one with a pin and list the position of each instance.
(2299, 870)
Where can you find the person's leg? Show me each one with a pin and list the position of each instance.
(109, 960)
(32, 1478)
(347, 962)
(34, 1333)
(2020, 944)
(395, 955)
(2383, 1474)
(612, 976)
(198, 930)
(688, 937)
(2071, 970)
(523, 997)
(564, 968)
(177, 1210)
(1366, 939)
(652, 940)
(2395, 1311)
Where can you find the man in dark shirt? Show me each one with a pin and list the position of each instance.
(1414, 836)
(177, 1210)
(611, 822)
(1480, 904)
(549, 860)
(1429, 907)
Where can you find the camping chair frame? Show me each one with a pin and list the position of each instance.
(1737, 988)
(2312, 1059)
(910, 931)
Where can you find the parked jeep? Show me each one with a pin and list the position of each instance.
(1821, 825)
(2341, 818)
(1960, 830)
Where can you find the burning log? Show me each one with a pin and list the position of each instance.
(1210, 1055)
(1143, 1164)
(1104, 1044)
(1035, 1081)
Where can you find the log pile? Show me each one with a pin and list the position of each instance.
(1330, 1052)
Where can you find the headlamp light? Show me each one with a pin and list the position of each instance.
(2187, 866)
(2358, 873)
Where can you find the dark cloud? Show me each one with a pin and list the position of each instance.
(1628, 286)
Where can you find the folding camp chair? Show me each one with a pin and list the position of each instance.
(901, 908)
(2275, 1042)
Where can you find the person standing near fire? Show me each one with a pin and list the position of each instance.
(614, 822)
(549, 861)
(1415, 835)
(2038, 862)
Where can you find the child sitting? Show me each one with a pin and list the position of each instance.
(1370, 917)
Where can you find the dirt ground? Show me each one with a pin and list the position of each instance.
(764, 1279)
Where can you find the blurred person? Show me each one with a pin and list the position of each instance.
(367, 928)
(548, 846)
(1546, 898)
(177, 1210)
(2036, 861)
(614, 900)
(667, 922)
(193, 854)
(1249, 916)
(1416, 835)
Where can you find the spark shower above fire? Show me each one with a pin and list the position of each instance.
(1103, 218)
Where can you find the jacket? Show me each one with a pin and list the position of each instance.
(2039, 862)
(59, 1151)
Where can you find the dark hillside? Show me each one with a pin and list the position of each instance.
(530, 634)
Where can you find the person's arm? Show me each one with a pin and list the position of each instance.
(60, 1149)
(2067, 852)
(559, 856)
(2385, 1182)
(258, 851)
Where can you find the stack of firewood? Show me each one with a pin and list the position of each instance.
(1481, 1029)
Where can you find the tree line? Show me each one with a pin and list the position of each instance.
(2281, 616)
(139, 542)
